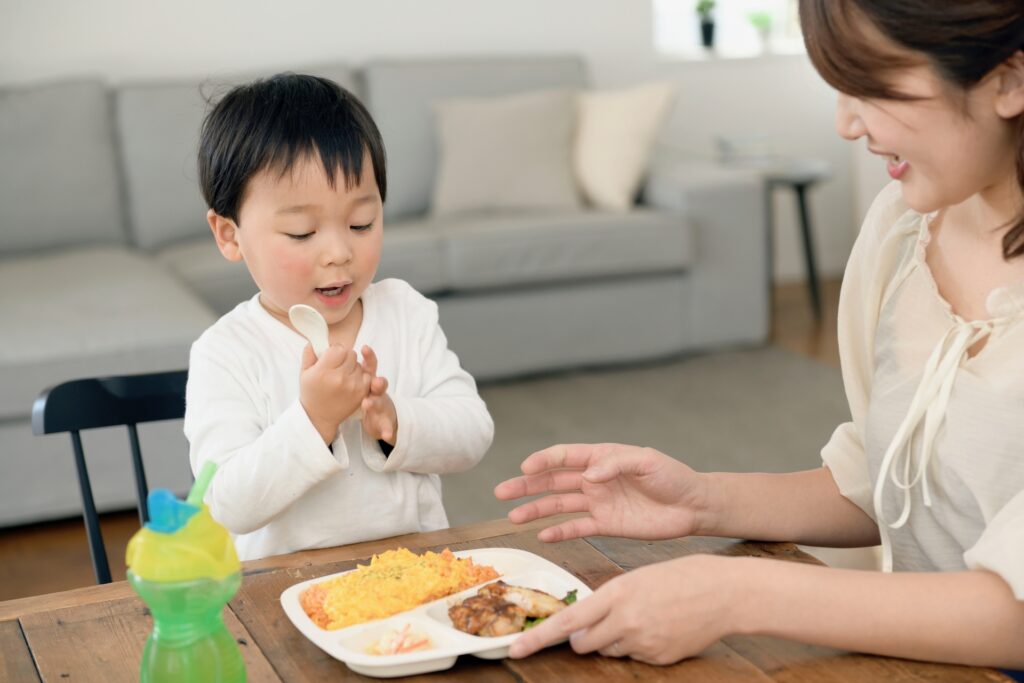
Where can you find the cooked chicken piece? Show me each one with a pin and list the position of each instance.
(487, 615)
(534, 602)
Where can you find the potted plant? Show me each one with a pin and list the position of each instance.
(707, 22)
(762, 22)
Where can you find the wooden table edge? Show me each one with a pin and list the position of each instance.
(18, 607)
(21, 607)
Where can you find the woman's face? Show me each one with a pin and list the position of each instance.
(944, 146)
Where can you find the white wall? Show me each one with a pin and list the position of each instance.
(780, 97)
(132, 39)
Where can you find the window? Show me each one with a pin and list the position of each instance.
(677, 30)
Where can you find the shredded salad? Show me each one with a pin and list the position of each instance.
(400, 641)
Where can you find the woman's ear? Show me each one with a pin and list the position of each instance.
(1010, 98)
(226, 233)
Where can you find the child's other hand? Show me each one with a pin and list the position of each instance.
(331, 387)
(380, 420)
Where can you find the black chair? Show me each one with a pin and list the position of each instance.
(105, 402)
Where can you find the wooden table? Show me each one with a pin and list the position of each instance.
(97, 633)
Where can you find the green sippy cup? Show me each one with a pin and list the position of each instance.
(184, 567)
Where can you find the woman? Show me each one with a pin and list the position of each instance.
(931, 335)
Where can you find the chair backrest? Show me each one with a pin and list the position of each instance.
(105, 402)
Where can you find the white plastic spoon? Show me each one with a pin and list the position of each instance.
(311, 325)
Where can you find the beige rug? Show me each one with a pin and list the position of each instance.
(764, 410)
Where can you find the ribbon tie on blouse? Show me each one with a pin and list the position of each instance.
(929, 404)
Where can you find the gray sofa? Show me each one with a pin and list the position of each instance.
(108, 267)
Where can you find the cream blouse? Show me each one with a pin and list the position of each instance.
(935, 450)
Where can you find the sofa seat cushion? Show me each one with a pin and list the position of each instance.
(521, 249)
(89, 312)
(199, 264)
(412, 252)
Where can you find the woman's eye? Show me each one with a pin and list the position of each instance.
(362, 228)
(299, 238)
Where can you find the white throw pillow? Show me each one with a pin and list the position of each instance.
(506, 153)
(614, 138)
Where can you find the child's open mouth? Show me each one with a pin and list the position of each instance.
(334, 296)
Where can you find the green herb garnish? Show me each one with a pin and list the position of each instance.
(530, 622)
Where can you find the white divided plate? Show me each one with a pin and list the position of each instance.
(516, 567)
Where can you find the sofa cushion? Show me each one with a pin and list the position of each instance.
(58, 175)
(159, 130)
(412, 252)
(522, 249)
(89, 312)
(616, 132)
(198, 263)
(159, 126)
(400, 95)
(506, 153)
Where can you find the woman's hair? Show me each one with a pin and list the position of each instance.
(276, 122)
(963, 40)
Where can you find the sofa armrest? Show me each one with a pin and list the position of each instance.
(726, 207)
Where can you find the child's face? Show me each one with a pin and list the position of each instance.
(305, 242)
(942, 149)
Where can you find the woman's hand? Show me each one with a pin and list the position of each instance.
(627, 491)
(658, 614)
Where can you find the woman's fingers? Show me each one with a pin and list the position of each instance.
(605, 636)
(510, 489)
(577, 456)
(574, 528)
(558, 627)
(531, 485)
(548, 506)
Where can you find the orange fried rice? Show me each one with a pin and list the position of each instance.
(393, 582)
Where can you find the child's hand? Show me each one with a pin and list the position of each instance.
(380, 420)
(331, 387)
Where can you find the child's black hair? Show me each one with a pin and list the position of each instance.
(275, 122)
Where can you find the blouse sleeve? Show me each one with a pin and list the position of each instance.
(871, 267)
(1001, 546)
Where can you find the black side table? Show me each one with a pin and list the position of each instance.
(800, 175)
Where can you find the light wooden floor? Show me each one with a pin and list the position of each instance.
(54, 556)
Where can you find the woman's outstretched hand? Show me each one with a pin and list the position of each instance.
(626, 491)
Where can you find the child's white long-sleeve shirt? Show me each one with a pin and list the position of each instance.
(278, 487)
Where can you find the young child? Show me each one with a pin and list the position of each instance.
(293, 171)
(931, 334)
